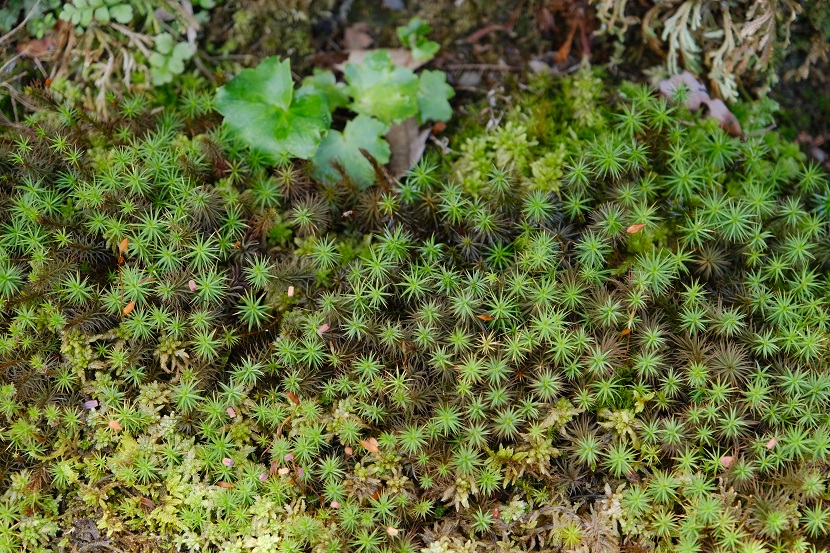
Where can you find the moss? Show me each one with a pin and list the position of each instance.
(606, 327)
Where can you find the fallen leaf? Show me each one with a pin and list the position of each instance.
(231, 413)
(485, 317)
(400, 56)
(357, 37)
(727, 119)
(283, 471)
(699, 97)
(128, 308)
(147, 502)
(38, 49)
(392, 531)
(625, 332)
(226, 485)
(263, 477)
(371, 444)
(772, 443)
(322, 329)
(294, 399)
(227, 461)
(635, 228)
(114, 425)
(726, 461)
(668, 87)
(407, 143)
(91, 404)
(290, 291)
(122, 247)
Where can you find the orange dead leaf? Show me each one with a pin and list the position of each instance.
(226, 485)
(294, 399)
(114, 425)
(371, 444)
(625, 332)
(147, 502)
(635, 228)
(42, 48)
(128, 308)
(485, 317)
(122, 247)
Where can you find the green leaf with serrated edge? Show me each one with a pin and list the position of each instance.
(382, 90)
(259, 105)
(414, 36)
(362, 132)
(122, 13)
(433, 96)
(323, 82)
(164, 43)
(182, 51)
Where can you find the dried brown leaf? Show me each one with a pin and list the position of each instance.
(372, 445)
(407, 142)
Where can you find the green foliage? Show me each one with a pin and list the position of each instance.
(82, 13)
(381, 89)
(343, 151)
(262, 106)
(169, 58)
(200, 351)
(414, 35)
(41, 21)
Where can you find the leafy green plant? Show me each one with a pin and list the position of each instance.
(200, 351)
(42, 15)
(82, 13)
(262, 106)
(414, 35)
(169, 58)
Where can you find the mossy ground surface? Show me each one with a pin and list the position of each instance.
(587, 320)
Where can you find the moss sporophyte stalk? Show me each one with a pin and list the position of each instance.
(600, 325)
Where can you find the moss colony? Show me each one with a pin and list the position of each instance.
(600, 325)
